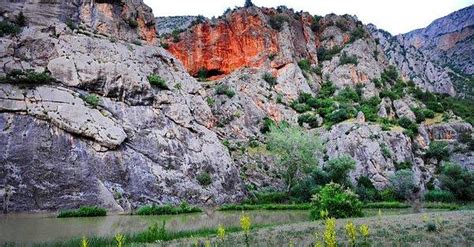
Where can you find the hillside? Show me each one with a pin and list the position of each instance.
(97, 109)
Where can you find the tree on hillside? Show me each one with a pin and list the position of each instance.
(248, 4)
(295, 149)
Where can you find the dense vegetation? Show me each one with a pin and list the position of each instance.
(29, 77)
(184, 208)
(83, 212)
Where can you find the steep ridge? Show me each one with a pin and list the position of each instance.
(155, 129)
(438, 57)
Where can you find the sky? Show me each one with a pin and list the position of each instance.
(395, 16)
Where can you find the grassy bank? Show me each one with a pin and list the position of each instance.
(155, 233)
(247, 207)
(83, 212)
(431, 229)
(307, 206)
(167, 210)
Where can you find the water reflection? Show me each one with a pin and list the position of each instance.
(24, 229)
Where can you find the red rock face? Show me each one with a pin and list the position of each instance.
(243, 40)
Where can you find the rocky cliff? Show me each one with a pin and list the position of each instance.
(118, 19)
(438, 57)
(93, 112)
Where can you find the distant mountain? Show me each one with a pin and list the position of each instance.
(167, 24)
(439, 57)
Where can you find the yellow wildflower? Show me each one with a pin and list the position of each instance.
(84, 242)
(364, 230)
(245, 223)
(351, 232)
(425, 218)
(221, 232)
(120, 239)
(330, 233)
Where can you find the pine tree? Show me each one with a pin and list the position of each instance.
(248, 4)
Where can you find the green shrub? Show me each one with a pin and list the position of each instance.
(315, 26)
(132, 23)
(165, 45)
(390, 74)
(422, 114)
(339, 202)
(20, 20)
(327, 54)
(431, 226)
(267, 124)
(300, 107)
(403, 165)
(338, 169)
(157, 81)
(167, 209)
(388, 194)
(71, 24)
(344, 113)
(347, 59)
(304, 188)
(386, 152)
(348, 95)
(305, 65)
(8, 28)
(204, 178)
(311, 119)
(358, 33)
(428, 113)
(225, 90)
(366, 190)
(409, 125)
(327, 90)
(268, 197)
(438, 150)
(276, 21)
(403, 183)
(176, 35)
(439, 196)
(370, 108)
(458, 180)
(83, 212)
(270, 79)
(27, 77)
(92, 99)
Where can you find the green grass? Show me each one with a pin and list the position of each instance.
(247, 207)
(83, 212)
(452, 229)
(153, 234)
(386, 205)
(167, 210)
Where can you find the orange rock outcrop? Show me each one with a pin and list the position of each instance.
(220, 48)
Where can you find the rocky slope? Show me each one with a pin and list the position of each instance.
(142, 143)
(438, 57)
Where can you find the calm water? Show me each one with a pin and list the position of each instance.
(27, 229)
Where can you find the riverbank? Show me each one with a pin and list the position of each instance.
(453, 228)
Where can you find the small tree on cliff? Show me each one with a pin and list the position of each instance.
(248, 4)
(295, 149)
